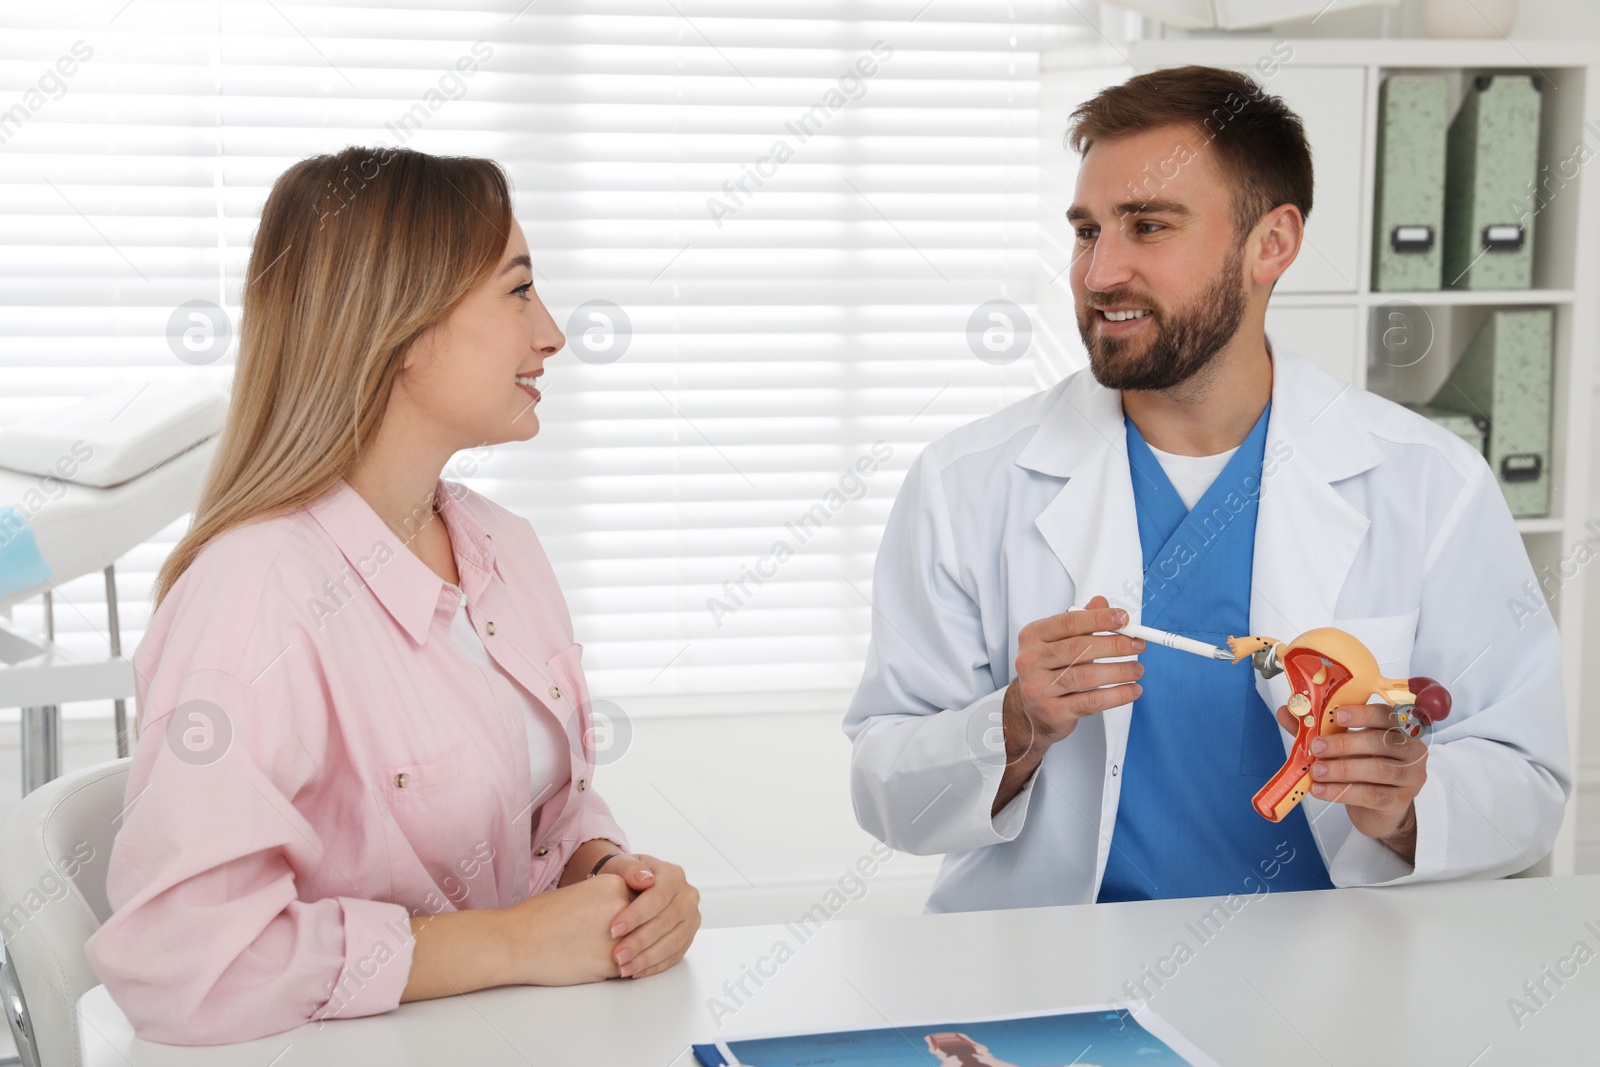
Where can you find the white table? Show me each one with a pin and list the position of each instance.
(1408, 975)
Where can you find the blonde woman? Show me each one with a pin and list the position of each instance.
(364, 769)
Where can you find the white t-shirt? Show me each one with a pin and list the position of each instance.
(1191, 476)
(548, 743)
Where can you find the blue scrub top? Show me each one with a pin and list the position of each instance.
(1201, 741)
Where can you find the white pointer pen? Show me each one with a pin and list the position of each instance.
(1172, 640)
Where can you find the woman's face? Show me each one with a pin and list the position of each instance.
(461, 375)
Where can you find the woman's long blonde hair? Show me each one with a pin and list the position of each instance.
(356, 254)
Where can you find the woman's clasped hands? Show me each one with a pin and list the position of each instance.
(633, 918)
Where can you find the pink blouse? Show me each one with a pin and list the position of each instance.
(548, 739)
(318, 762)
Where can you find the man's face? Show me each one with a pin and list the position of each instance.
(1154, 233)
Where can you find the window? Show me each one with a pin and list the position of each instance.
(773, 231)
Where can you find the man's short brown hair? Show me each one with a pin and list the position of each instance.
(1259, 144)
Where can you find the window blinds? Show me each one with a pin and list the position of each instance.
(792, 241)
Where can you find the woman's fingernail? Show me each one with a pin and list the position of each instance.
(1318, 747)
(1319, 769)
(618, 929)
(624, 956)
(1341, 716)
(627, 972)
(1319, 790)
(647, 874)
(1120, 616)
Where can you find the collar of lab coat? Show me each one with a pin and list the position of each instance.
(1306, 534)
(1086, 419)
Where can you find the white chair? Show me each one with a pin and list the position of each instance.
(57, 845)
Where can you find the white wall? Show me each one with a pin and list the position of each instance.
(1558, 20)
(1564, 20)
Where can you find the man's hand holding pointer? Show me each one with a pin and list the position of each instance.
(1060, 679)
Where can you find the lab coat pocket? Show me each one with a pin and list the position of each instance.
(1388, 637)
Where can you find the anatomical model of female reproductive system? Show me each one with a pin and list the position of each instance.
(1327, 669)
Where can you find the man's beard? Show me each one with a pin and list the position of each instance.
(1183, 345)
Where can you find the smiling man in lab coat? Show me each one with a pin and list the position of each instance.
(1202, 480)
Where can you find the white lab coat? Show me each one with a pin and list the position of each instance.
(1371, 519)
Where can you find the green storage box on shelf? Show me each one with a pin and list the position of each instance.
(1492, 162)
(1504, 376)
(1407, 252)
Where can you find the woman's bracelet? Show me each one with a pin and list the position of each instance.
(607, 858)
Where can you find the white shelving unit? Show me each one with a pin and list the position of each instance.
(1324, 305)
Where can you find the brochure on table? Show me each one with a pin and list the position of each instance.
(1096, 1036)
